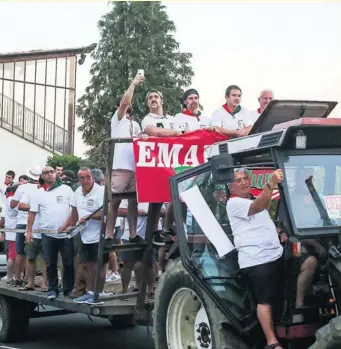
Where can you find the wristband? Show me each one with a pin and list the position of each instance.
(268, 185)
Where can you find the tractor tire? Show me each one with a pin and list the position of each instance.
(185, 318)
(120, 322)
(329, 336)
(14, 320)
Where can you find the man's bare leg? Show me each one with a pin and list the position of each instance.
(126, 275)
(305, 279)
(44, 284)
(112, 215)
(132, 217)
(90, 272)
(169, 218)
(31, 270)
(19, 266)
(10, 269)
(264, 315)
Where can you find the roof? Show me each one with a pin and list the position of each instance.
(45, 54)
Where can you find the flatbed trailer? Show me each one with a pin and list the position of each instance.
(122, 310)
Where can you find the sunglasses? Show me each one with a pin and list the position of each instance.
(48, 172)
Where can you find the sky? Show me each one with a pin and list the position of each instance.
(292, 47)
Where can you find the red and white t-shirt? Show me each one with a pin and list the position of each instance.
(224, 117)
(187, 121)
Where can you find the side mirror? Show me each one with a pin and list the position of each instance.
(222, 169)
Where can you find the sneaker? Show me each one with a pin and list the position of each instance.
(157, 239)
(18, 283)
(4, 278)
(52, 295)
(108, 277)
(106, 294)
(137, 240)
(83, 299)
(91, 301)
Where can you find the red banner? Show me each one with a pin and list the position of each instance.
(157, 159)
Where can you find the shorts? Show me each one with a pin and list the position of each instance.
(11, 252)
(33, 249)
(20, 241)
(264, 280)
(123, 181)
(135, 256)
(89, 252)
(77, 241)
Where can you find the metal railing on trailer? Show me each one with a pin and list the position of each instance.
(107, 150)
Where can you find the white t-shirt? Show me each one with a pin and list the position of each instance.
(85, 205)
(124, 153)
(27, 199)
(54, 208)
(255, 236)
(23, 189)
(3, 188)
(10, 215)
(184, 122)
(141, 223)
(238, 121)
(254, 114)
(157, 121)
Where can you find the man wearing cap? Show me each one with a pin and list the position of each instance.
(123, 174)
(231, 119)
(156, 123)
(265, 97)
(53, 207)
(191, 119)
(24, 189)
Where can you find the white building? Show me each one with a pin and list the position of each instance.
(37, 106)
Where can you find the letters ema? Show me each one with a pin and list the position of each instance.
(151, 154)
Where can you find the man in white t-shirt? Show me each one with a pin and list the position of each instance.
(87, 199)
(156, 123)
(53, 207)
(28, 188)
(32, 248)
(123, 174)
(257, 242)
(9, 181)
(265, 97)
(231, 119)
(9, 220)
(191, 119)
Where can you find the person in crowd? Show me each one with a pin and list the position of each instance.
(9, 220)
(9, 181)
(123, 174)
(23, 179)
(265, 97)
(29, 188)
(53, 207)
(232, 119)
(87, 199)
(258, 245)
(191, 118)
(33, 248)
(59, 171)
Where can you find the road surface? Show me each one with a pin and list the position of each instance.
(76, 331)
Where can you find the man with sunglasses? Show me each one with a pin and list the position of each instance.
(53, 207)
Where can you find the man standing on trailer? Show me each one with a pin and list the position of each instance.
(53, 207)
(123, 174)
(231, 119)
(87, 199)
(9, 181)
(265, 97)
(28, 188)
(257, 242)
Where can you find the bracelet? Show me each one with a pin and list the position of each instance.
(268, 185)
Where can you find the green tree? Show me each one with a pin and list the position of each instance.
(134, 35)
(69, 162)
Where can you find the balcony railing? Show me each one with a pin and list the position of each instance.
(31, 126)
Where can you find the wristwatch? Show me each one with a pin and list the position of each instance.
(268, 185)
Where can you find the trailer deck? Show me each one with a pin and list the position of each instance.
(109, 307)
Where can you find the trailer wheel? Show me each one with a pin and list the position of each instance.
(185, 318)
(14, 320)
(120, 322)
(329, 336)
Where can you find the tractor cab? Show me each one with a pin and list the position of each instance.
(297, 137)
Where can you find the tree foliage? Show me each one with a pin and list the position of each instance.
(134, 35)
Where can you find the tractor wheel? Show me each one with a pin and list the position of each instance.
(185, 318)
(329, 336)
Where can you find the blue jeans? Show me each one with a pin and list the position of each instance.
(51, 248)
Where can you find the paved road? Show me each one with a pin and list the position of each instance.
(76, 331)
